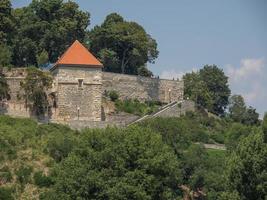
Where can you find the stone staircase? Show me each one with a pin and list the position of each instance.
(158, 113)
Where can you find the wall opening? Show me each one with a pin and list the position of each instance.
(80, 83)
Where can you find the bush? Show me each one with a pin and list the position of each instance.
(136, 107)
(113, 95)
(60, 145)
(42, 180)
(6, 193)
(5, 175)
(130, 163)
(24, 174)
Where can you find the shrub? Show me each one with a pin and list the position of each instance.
(6, 193)
(60, 145)
(113, 95)
(24, 174)
(136, 107)
(130, 163)
(41, 180)
(5, 175)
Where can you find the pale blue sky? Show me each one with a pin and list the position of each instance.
(191, 33)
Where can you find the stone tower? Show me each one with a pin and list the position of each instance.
(77, 85)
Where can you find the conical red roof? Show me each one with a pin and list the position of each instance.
(78, 55)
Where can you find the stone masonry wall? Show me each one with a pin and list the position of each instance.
(143, 88)
(14, 106)
(69, 97)
(74, 102)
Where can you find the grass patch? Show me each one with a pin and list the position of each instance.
(216, 153)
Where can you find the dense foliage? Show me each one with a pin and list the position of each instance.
(134, 106)
(118, 164)
(239, 112)
(209, 88)
(122, 46)
(246, 172)
(35, 86)
(49, 26)
(40, 32)
(156, 159)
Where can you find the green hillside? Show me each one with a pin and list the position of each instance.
(156, 159)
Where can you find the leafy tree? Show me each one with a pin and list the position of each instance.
(5, 55)
(118, 164)
(49, 26)
(237, 108)
(122, 46)
(6, 22)
(208, 88)
(42, 58)
(264, 127)
(217, 84)
(240, 113)
(4, 89)
(35, 85)
(229, 196)
(197, 90)
(143, 71)
(246, 168)
(235, 133)
(251, 116)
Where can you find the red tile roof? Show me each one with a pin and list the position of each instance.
(78, 55)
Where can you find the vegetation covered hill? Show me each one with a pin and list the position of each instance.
(156, 159)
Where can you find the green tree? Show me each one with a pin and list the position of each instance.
(126, 45)
(217, 84)
(132, 163)
(4, 89)
(264, 127)
(47, 25)
(5, 55)
(246, 168)
(237, 108)
(34, 86)
(251, 116)
(6, 22)
(208, 88)
(197, 90)
(42, 58)
(143, 71)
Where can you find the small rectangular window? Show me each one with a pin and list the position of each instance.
(80, 83)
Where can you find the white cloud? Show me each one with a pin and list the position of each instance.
(250, 80)
(247, 69)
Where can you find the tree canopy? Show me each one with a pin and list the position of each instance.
(42, 26)
(239, 112)
(246, 168)
(209, 88)
(113, 164)
(123, 46)
(35, 87)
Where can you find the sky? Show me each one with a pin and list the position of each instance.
(191, 33)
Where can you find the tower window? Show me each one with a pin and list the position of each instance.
(80, 83)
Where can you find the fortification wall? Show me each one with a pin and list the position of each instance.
(15, 106)
(82, 107)
(74, 102)
(143, 88)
